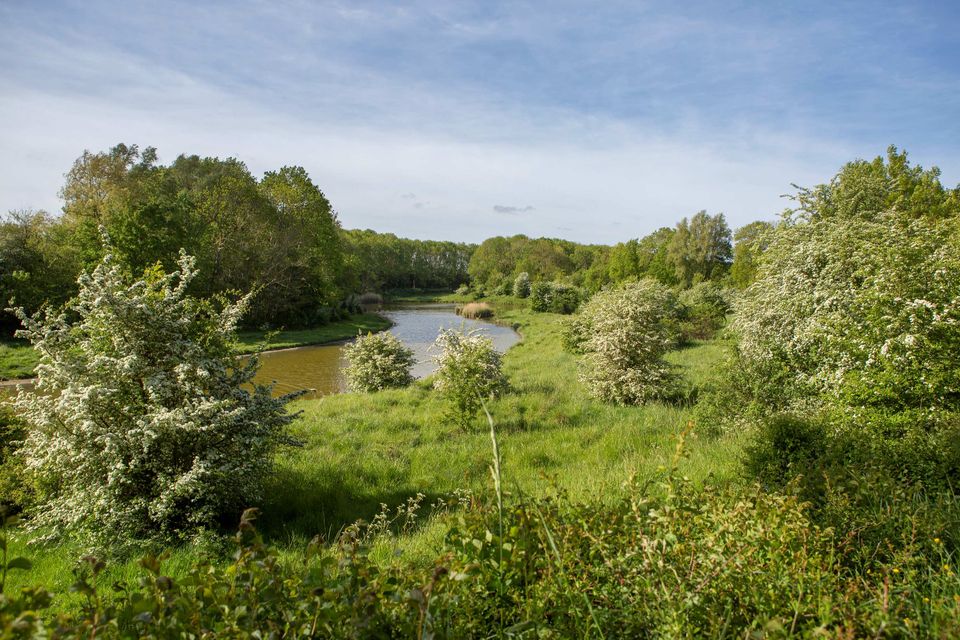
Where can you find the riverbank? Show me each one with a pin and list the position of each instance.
(258, 341)
(18, 358)
(359, 451)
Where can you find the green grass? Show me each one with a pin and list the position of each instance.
(17, 359)
(253, 341)
(363, 450)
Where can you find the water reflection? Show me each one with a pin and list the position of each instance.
(319, 369)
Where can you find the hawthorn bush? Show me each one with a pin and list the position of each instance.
(624, 334)
(378, 361)
(468, 371)
(145, 425)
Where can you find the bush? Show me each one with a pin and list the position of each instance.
(505, 288)
(628, 331)
(468, 370)
(521, 286)
(463, 290)
(475, 310)
(370, 299)
(378, 361)
(15, 489)
(703, 310)
(554, 297)
(144, 424)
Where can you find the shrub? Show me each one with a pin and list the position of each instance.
(468, 370)
(378, 361)
(505, 288)
(463, 290)
(521, 286)
(15, 489)
(703, 310)
(628, 331)
(554, 297)
(859, 307)
(144, 424)
(370, 299)
(476, 310)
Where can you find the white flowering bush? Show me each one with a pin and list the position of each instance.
(144, 425)
(521, 286)
(624, 334)
(378, 361)
(468, 371)
(860, 310)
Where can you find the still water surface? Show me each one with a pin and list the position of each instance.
(320, 368)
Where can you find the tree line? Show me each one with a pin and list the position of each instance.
(278, 236)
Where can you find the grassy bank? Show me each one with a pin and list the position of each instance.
(363, 450)
(253, 341)
(18, 359)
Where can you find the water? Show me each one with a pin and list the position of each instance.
(319, 369)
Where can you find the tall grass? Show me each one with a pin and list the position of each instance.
(358, 452)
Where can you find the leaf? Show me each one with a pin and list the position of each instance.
(20, 563)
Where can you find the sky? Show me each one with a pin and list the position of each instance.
(591, 121)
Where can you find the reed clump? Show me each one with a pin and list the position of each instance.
(476, 311)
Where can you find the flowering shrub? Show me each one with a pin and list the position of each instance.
(521, 286)
(378, 361)
(865, 311)
(624, 334)
(468, 370)
(145, 425)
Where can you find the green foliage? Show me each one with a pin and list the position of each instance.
(700, 249)
(703, 310)
(38, 265)
(750, 242)
(667, 559)
(144, 425)
(521, 286)
(554, 297)
(859, 306)
(627, 332)
(468, 371)
(377, 361)
(16, 491)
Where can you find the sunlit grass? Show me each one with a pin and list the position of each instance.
(17, 360)
(363, 450)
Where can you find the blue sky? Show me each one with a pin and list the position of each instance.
(596, 122)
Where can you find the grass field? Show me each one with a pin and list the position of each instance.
(363, 450)
(17, 359)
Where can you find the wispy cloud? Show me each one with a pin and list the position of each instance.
(499, 208)
(623, 116)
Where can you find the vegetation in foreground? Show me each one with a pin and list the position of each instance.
(830, 417)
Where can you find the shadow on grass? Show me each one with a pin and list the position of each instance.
(301, 504)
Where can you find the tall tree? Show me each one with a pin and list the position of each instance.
(701, 248)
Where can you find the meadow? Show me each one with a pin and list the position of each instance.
(360, 451)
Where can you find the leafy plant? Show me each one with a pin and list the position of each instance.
(468, 370)
(378, 361)
(144, 424)
(521, 286)
(624, 334)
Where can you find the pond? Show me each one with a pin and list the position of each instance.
(319, 368)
